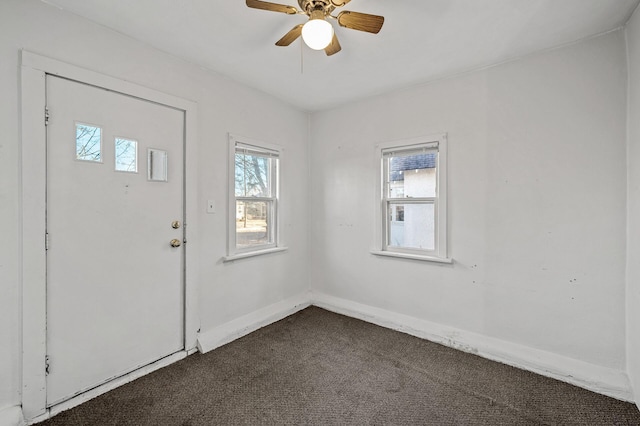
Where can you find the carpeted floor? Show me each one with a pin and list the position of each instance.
(319, 368)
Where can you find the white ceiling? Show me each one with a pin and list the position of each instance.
(421, 40)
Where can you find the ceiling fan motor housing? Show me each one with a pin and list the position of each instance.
(309, 6)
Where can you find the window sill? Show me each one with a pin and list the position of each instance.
(412, 256)
(238, 256)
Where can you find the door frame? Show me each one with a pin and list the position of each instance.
(33, 276)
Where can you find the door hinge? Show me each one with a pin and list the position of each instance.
(46, 241)
(46, 116)
(46, 365)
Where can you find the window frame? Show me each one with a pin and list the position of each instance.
(384, 202)
(273, 201)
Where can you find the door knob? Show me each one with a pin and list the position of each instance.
(175, 243)
(175, 224)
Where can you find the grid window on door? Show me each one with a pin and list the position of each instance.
(255, 190)
(126, 155)
(88, 143)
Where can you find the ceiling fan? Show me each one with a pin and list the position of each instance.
(317, 32)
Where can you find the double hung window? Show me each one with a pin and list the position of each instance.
(413, 199)
(253, 196)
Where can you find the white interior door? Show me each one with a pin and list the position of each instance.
(115, 291)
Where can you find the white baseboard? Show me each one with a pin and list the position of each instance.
(603, 380)
(11, 416)
(232, 330)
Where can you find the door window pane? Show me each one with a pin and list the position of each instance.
(88, 143)
(126, 155)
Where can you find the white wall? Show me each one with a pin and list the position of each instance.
(633, 237)
(228, 291)
(537, 203)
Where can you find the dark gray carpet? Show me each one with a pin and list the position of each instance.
(316, 367)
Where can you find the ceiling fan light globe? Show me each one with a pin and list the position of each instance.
(317, 33)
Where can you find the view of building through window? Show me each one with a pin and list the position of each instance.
(411, 197)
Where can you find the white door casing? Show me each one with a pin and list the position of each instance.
(33, 212)
(114, 283)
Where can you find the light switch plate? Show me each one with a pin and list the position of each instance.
(211, 206)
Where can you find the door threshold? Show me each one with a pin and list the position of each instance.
(112, 384)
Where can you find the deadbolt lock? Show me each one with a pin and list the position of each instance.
(175, 224)
(175, 243)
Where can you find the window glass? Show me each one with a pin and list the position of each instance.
(252, 175)
(126, 155)
(416, 227)
(88, 143)
(252, 223)
(412, 175)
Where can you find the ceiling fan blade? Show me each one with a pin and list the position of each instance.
(290, 36)
(361, 21)
(274, 7)
(333, 47)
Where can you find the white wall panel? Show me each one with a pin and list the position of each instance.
(633, 237)
(227, 291)
(537, 196)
